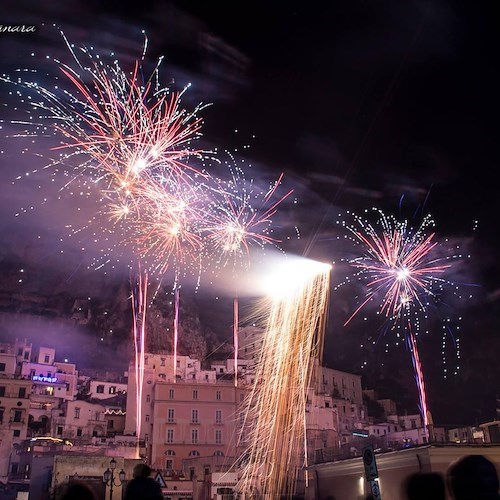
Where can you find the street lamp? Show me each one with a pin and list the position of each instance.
(109, 477)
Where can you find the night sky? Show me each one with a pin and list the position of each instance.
(360, 104)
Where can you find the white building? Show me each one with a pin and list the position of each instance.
(104, 389)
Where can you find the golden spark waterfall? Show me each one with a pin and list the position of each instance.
(276, 412)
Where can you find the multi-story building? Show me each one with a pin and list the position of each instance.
(32, 386)
(14, 413)
(104, 389)
(79, 420)
(51, 379)
(343, 392)
(186, 412)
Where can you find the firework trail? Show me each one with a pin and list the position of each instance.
(402, 272)
(176, 328)
(293, 338)
(139, 305)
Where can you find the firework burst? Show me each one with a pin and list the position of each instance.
(127, 141)
(405, 273)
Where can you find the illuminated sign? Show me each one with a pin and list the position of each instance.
(41, 378)
(363, 434)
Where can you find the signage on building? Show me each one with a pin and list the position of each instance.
(41, 378)
(360, 433)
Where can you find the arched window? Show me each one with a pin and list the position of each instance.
(194, 453)
(170, 453)
(218, 453)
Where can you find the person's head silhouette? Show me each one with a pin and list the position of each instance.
(425, 486)
(473, 477)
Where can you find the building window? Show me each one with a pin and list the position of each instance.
(77, 412)
(170, 435)
(171, 394)
(162, 361)
(100, 389)
(170, 453)
(170, 415)
(2, 391)
(218, 416)
(218, 437)
(194, 436)
(46, 359)
(79, 432)
(26, 355)
(59, 430)
(194, 416)
(218, 453)
(112, 390)
(22, 392)
(169, 464)
(14, 468)
(2, 367)
(194, 453)
(195, 394)
(148, 399)
(147, 418)
(20, 351)
(17, 415)
(2, 410)
(16, 433)
(218, 395)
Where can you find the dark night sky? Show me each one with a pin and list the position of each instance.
(390, 104)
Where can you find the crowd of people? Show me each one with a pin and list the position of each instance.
(472, 477)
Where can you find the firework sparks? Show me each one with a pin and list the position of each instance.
(293, 338)
(240, 217)
(403, 273)
(127, 140)
(398, 264)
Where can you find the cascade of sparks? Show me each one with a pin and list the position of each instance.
(276, 409)
(402, 272)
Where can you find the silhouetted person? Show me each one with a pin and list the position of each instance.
(425, 486)
(77, 491)
(473, 477)
(143, 487)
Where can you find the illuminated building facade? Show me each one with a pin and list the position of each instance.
(187, 413)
